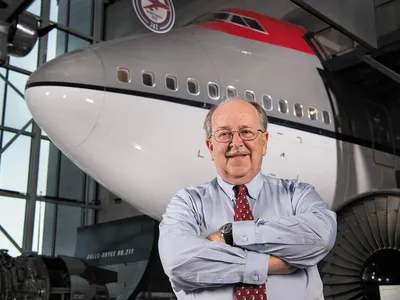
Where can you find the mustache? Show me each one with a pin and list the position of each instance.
(234, 152)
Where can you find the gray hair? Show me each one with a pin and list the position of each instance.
(261, 113)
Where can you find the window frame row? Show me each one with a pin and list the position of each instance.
(213, 91)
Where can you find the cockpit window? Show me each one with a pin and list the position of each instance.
(231, 18)
(218, 16)
(238, 20)
(254, 24)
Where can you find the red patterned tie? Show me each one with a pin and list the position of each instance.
(243, 213)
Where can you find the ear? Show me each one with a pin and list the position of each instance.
(210, 147)
(265, 142)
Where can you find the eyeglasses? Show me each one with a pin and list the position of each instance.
(226, 135)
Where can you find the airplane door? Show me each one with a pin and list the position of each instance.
(382, 136)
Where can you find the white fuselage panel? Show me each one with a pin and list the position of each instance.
(144, 150)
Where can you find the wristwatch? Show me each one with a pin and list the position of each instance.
(226, 231)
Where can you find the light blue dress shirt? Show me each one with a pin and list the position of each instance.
(292, 222)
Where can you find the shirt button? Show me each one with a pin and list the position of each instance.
(244, 239)
(255, 278)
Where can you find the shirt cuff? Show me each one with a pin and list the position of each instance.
(244, 233)
(256, 269)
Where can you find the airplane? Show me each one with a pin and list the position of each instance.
(129, 112)
(156, 4)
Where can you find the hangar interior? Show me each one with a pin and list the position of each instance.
(50, 207)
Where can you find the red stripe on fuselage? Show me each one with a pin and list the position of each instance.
(278, 33)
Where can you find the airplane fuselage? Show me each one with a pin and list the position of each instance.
(130, 112)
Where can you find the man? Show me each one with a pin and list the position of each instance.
(245, 235)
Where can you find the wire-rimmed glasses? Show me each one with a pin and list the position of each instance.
(226, 135)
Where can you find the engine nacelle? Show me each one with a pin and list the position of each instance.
(41, 277)
(19, 37)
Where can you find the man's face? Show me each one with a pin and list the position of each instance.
(237, 161)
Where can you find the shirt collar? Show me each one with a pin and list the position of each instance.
(253, 186)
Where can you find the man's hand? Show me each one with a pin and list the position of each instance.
(278, 266)
(216, 236)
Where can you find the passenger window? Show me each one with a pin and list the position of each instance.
(249, 95)
(312, 113)
(171, 82)
(213, 91)
(231, 91)
(123, 75)
(298, 110)
(326, 118)
(267, 102)
(283, 106)
(148, 78)
(193, 86)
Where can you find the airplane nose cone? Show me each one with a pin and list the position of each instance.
(65, 96)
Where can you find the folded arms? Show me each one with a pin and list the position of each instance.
(302, 240)
(262, 247)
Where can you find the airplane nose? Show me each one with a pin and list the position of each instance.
(65, 96)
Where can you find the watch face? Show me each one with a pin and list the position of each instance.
(227, 228)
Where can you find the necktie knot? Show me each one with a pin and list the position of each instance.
(240, 190)
(242, 206)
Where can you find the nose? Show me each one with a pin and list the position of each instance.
(65, 96)
(236, 139)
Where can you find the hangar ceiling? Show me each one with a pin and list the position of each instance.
(360, 45)
(10, 9)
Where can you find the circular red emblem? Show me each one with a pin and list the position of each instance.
(156, 15)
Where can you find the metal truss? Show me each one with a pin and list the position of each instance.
(53, 200)
(36, 134)
(15, 137)
(9, 237)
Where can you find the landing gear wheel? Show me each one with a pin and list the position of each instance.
(366, 254)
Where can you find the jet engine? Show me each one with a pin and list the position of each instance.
(364, 263)
(40, 277)
(19, 37)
